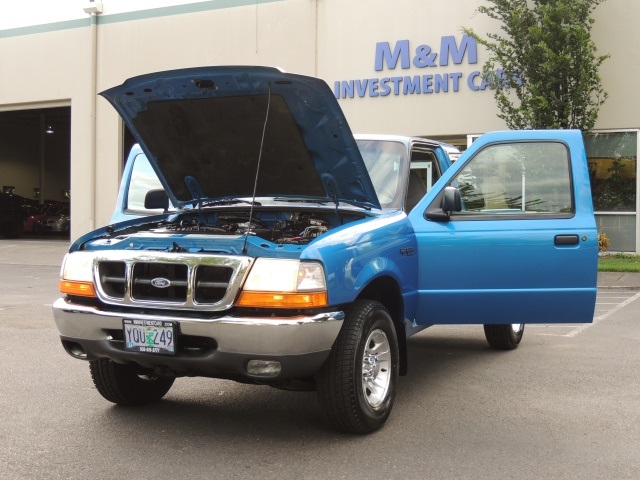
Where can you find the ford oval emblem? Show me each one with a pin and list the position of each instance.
(161, 282)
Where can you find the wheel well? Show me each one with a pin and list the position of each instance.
(386, 291)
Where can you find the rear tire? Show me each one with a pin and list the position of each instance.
(504, 337)
(357, 384)
(126, 385)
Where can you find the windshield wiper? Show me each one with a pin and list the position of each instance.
(320, 201)
(229, 201)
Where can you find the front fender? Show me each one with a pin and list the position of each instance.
(356, 254)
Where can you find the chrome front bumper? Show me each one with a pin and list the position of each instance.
(300, 344)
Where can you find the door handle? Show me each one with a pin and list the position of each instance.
(561, 240)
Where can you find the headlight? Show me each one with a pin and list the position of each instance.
(76, 274)
(284, 283)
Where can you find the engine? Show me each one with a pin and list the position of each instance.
(285, 228)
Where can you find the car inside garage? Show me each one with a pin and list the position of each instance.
(35, 152)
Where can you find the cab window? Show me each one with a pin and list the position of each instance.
(517, 178)
(143, 179)
(425, 163)
(386, 164)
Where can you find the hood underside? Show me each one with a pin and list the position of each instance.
(207, 130)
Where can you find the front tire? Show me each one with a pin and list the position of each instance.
(357, 384)
(504, 337)
(126, 385)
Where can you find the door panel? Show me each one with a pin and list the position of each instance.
(524, 247)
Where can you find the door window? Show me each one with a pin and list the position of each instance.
(515, 179)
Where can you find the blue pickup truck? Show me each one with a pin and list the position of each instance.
(256, 239)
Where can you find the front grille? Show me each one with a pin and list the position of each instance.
(211, 283)
(112, 278)
(170, 281)
(160, 282)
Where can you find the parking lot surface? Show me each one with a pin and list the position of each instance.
(564, 405)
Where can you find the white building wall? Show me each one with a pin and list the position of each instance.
(47, 70)
(45, 64)
(616, 32)
(348, 34)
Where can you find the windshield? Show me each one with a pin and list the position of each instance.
(386, 162)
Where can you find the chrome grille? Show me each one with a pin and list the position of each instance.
(161, 280)
(112, 278)
(211, 283)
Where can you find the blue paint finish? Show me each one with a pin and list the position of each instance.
(357, 253)
(497, 269)
(509, 270)
(443, 158)
(309, 108)
(524, 250)
(231, 245)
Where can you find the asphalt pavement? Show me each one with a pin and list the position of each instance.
(33, 251)
(563, 406)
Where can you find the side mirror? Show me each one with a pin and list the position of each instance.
(156, 199)
(451, 202)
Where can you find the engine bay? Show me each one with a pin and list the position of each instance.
(298, 227)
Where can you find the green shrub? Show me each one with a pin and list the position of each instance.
(603, 242)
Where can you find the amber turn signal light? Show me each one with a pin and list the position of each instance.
(84, 289)
(282, 300)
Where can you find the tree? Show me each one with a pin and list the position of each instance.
(543, 67)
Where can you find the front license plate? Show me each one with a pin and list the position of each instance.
(149, 336)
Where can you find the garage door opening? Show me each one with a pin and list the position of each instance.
(35, 170)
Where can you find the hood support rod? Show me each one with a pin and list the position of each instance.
(255, 183)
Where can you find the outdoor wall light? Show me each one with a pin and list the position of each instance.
(49, 130)
(93, 7)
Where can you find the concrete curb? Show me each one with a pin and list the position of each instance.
(619, 280)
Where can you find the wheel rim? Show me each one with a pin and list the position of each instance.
(516, 328)
(376, 368)
(147, 377)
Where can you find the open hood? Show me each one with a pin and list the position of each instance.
(202, 130)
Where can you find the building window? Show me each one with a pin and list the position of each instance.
(612, 159)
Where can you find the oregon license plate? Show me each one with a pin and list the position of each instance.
(149, 336)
